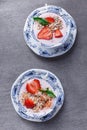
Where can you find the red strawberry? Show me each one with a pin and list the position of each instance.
(37, 83)
(50, 19)
(29, 103)
(33, 86)
(45, 33)
(30, 88)
(58, 33)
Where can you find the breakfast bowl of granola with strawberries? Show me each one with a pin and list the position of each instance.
(50, 31)
(37, 95)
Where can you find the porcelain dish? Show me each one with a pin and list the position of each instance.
(50, 48)
(55, 85)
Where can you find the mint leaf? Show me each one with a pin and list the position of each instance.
(41, 21)
(48, 92)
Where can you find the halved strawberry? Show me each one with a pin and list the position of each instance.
(58, 33)
(50, 19)
(45, 33)
(33, 86)
(29, 103)
(37, 83)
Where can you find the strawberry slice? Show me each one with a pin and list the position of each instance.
(45, 33)
(58, 33)
(29, 103)
(33, 87)
(50, 19)
(36, 82)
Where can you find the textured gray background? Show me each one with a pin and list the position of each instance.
(16, 57)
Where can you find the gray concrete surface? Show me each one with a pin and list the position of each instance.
(16, 57)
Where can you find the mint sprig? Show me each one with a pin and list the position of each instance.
(48, 92)
(41, 21)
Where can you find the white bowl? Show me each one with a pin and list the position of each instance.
(55, 85)
(55, 47)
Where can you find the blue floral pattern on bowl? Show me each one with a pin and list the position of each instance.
(48, 77)
(42, 49)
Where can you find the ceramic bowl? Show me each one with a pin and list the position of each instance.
(46, 76)
(54, 47)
